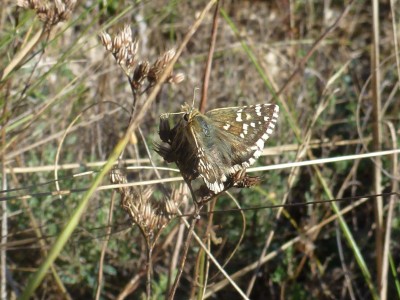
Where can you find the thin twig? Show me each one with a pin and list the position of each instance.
(207, 71)
(104, 248)
(377, 141)
(389, 219)
(183, 258)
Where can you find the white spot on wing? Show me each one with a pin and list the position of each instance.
(258, 109)
(257, 154)
(239, 117)
(245, 128)
(227, 126)
(260, 144)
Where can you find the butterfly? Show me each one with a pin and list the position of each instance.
(219, 145)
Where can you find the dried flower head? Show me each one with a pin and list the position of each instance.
(159, 65)
(140, 74)
(150, 215)
(124, 49)
(50, 12)
(176, 78)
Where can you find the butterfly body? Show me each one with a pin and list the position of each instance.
(218, 144)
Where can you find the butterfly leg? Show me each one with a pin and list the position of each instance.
(242, 180)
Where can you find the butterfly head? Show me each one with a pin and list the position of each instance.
(189, 112)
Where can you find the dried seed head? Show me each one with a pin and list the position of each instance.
(176, 78)
(171, 208)
(124, 49)
(159, 65)
(121, 55)
(50, 13)
(168, 56)
(117, 177)
(60, 7)
(132, 49)
(140, 74)
(126, 35)
(30, 4)
(106, 40)
(117, 44)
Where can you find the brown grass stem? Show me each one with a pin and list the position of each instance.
(377, 142)
(104, 247)
(207, 70)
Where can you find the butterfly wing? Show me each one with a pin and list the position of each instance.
(230, 139)
(213, 156)
(248, 128)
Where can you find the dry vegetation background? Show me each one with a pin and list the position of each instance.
(317, 54)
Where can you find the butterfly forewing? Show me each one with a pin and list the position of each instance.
(230, 139)
(250, 127)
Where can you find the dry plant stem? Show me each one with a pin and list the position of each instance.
(377, 142)
(104, 248)
(242, 233)
(172, 292)
(4, 224)
(164, 190)
(207, 71)
(389, 218)
(348, 283)
(175, 255)
(149, 267)
(395, 42)
(149, 271)
(200, 267)
(340, 193)
(132, 285)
